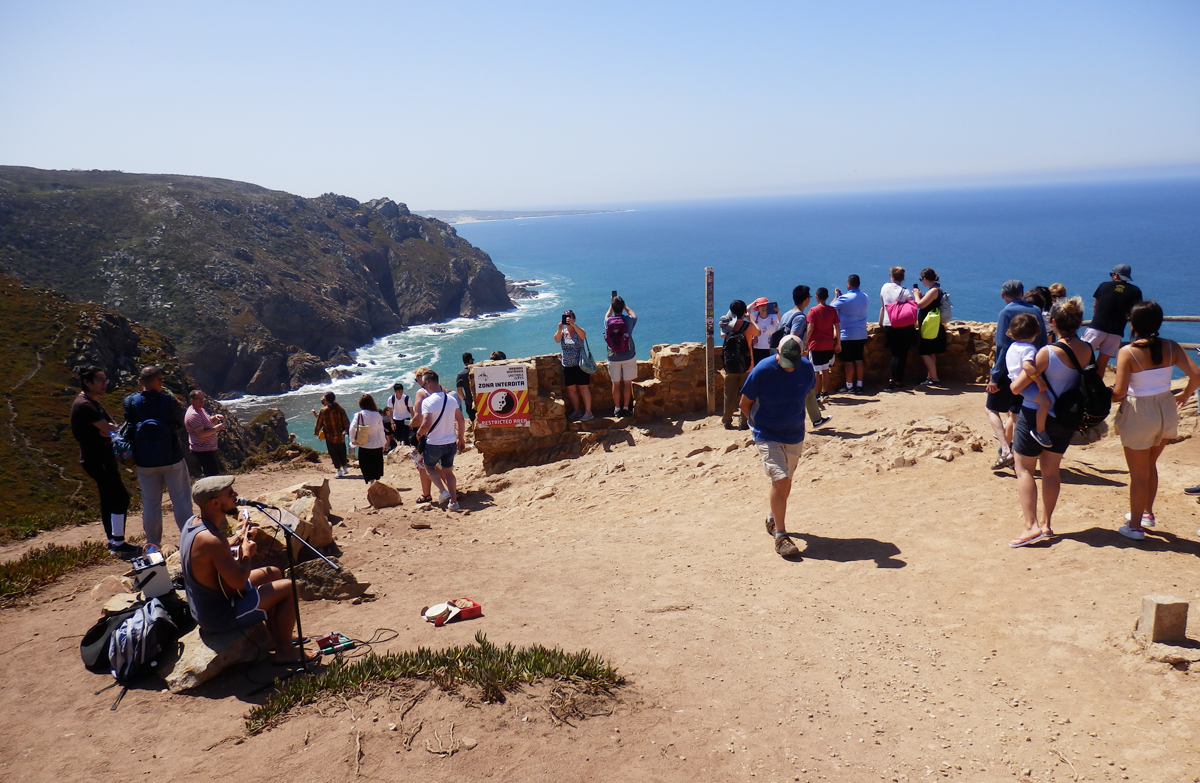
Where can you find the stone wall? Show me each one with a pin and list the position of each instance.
(672, 383)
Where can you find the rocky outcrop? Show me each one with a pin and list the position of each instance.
(260, 290)
(48, 339)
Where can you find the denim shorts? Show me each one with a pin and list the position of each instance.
(440, 455)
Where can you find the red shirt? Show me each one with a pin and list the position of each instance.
(822, 320)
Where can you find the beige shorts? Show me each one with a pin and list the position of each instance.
(622, 371)
(1102, 342)
(1144, 422)
(780, 459)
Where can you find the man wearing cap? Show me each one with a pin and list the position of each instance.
(223, 592)
(765, 324)
(773, 403)
(1000, 399)
(1110, 312)
(155, 418)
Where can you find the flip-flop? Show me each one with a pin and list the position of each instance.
(1016, 543)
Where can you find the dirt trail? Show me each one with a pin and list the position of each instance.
(908, 643)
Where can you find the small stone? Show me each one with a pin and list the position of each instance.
(469, 743)
(119, 603)
(420, 525)
(391, 727)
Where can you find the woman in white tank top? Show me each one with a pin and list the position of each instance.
(1148, 417)
(1056, 367)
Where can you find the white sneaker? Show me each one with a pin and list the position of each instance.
(1129, 532)
(1147, 519)
(444, 496)
(453, 506)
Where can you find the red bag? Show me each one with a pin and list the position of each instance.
(902, 313)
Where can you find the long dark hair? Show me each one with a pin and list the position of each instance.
(1146, 319)
(367, 403)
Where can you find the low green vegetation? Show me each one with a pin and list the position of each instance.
(45, 565)
(493, 670)
(30, 525)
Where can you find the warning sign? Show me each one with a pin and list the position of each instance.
(501, 396)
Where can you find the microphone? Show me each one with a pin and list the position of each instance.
(254, 504)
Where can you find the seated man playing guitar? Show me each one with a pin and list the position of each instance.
(223, 591)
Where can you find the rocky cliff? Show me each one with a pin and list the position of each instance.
(259, 289)
(47, 339)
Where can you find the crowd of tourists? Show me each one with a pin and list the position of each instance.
(1047, 379)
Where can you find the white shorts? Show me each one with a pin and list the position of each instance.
(623, 371)
(1102, 342)
(779, 459)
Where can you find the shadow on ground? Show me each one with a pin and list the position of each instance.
(848, 550)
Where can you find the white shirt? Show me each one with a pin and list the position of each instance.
(399, 406)
(373, 420)
(443, 432)
(766, 327)
(1018, 354)
(890, 294)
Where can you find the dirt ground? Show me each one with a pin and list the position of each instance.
(908, 643)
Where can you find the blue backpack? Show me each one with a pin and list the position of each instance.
(153, 440)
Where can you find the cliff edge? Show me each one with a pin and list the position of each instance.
(258, 288)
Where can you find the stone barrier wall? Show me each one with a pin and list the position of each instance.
(672, 383)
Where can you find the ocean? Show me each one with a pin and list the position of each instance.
(654, 255)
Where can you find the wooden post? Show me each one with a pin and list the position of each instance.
(710, 359)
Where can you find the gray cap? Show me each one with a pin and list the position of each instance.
(790, 351)
(208, 488)
(1124, 272)
(1012, 289)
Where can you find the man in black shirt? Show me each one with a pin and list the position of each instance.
(1110, 313)
(92, 427)
(462, 384)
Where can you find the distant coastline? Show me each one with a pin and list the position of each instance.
(454, 216)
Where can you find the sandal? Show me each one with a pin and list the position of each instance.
(1020, 542)
(1004, 461)
(424, 499)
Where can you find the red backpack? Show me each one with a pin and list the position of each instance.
(615, 334)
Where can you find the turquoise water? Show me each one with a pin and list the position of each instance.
(655, 256)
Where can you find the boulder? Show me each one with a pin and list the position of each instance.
(311, 510)
(203, 656)
(380, 495)
(315, 580)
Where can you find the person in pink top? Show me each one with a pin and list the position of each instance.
(202, 432)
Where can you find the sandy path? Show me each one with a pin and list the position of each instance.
(908, 643)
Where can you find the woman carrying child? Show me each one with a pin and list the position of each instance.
(1023, 330)
(1059, 373)
(1148, 417)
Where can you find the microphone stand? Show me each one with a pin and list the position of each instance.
(288, 535)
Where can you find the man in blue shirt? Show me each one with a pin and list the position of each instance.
(773, 403)
(852, 309)
(1000, 398)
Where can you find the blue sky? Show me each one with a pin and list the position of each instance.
(486, 105)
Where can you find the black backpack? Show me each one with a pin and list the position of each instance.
(125, 645)
(153, 438)
(1086, 404)
(735, 351)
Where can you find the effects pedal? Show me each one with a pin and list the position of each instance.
(334, 642)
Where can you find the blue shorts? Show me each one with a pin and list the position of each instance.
(440, 455)
(246, 610)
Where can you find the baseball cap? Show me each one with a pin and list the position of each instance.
(208, 488)
(1124, 272)
(790, 351)
(1013, 288)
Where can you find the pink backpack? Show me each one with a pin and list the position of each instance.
(615, 334)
